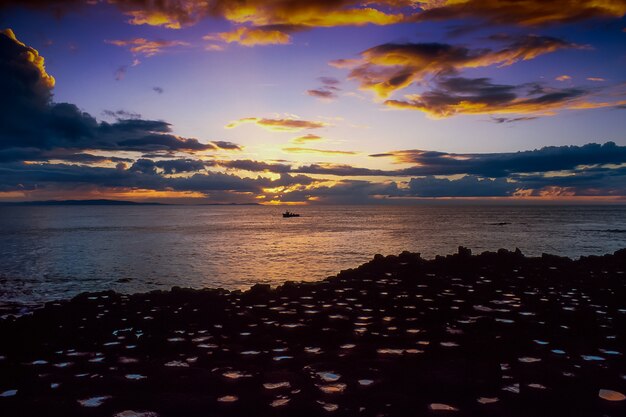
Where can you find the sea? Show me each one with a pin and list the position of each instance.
(56, 252)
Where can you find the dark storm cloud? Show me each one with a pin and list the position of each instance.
(389, 67)
(495, 165)
(176, 166)
(121, 114)
(168, 167)
(458, 95)
(345, 192)
(468, 186)
(598, 181)
(34, 154)
(226, 145)
(255, 166)
(341, 170)
(29, 118)
(142, 174)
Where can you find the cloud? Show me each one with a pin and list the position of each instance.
(596, 79)
(316, 13)
(320, 151)
(322, 93)
(251, 37)
(522, 12)
(255, 166)
(228, 146)
(38, 155)
(501, 120)
(328, 90)
(563, 78)
(121, 114)
(345, 192)
(142, 174)
(157, 90)
(498, 165)
(468, 186)
(329, 81)
(390, 67)
(120, 72)
(458, 95)
(342, 170)
(169, 167)
(176, 14)
(145, 47)
(278, 125)
(34, 121)
(47, 146)
(24, 77)
(306, 138)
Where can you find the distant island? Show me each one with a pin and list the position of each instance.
(101, 202)
(104, 202)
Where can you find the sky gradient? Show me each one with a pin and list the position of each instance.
(313, 102)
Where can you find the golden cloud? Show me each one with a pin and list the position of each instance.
(278, 125)
(390, 67)
(307, 13)
(172, 14)
(32, 56)
(455, 96)
(175, 14)
(145, 47)
(251, 37)
(306, 138)
(522, 12)
(319, 151)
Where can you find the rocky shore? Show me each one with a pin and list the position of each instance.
(497, 334)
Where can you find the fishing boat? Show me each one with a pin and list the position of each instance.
(290, 214)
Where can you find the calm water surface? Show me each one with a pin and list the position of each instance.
(57, 252)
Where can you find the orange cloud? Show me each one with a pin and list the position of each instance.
(172, 14)
(251, 37)
(279, 125)
(310, 13)
(563, 78)
(522, 12)
(175, 14)
(145, 47)
(596, 79)
(45, 80)
(455, 96)
(306, 138)
(390, 67)
(320, 151)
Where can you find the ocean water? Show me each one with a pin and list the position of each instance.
(57, 252)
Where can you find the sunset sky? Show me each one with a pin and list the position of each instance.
(313, 102)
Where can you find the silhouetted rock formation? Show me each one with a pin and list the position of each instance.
(496, 334)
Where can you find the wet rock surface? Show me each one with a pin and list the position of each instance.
(496, 334)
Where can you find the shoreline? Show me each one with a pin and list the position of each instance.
(495, 334)
(18, 308)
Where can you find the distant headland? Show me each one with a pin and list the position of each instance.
(105, 202)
